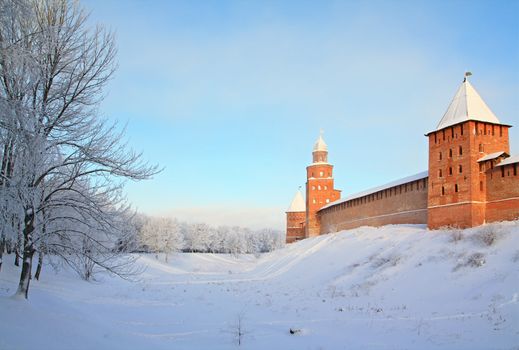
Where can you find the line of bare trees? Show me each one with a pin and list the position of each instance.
(166, 235)
(62, 166)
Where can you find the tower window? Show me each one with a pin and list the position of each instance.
(481, 185)
(443, 191)
(321, 174)
(450, 170)
(440, 156)
(325, 187)
(461, 129)
(313, 201)
(500, 131)
(327, 200)
(313, 188)
(452, 132)
(319, 187)
(443, 134)
(502, 171)
(460, 151)
(460, 168)
(456, 188)
(450, 152)
(481, 147)
(440, 173)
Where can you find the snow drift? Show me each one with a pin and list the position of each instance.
(395, 287)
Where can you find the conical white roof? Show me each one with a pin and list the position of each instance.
(320, 145)
(467, 105)
(298, 203)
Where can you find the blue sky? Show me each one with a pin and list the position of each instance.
(229, 96)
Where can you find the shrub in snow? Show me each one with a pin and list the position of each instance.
(456, 235)
(387, 261)
(488, 235)
(476, 260)
(473, 260)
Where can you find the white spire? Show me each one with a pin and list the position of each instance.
(320, 145)
(298, 203)
(467, 105)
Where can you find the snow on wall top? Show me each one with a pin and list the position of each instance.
(298, 203)
(491, 156)
(398, 182)
(509, 160)
(466, 105)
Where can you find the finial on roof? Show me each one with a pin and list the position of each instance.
(467, 75)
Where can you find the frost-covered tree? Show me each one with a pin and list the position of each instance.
(61, 163)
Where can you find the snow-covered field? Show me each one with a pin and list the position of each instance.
(396, 287)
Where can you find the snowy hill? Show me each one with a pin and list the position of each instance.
(395, 287)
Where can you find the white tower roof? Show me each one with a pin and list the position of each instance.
(467, 105)
(320, 145)
(298, 203)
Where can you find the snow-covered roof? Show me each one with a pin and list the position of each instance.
(398, 182)
(467, 105)
(298, 203)
(492, 156)
(509, 160)
(320, 145)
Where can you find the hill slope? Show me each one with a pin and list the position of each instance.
(395, 287)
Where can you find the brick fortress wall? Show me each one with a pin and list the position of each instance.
(502, 193)
(295, 226)
(402, 204)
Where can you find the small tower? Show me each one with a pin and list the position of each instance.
(467, 133)
(296, 217)
(319, 186)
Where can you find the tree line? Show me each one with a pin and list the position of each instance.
(166, 235)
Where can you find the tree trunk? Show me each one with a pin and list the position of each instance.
(2, 248)
(17, 246)
(28, 252)
(16, 257)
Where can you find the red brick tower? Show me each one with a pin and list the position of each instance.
(296, 218)
(468, 132)
(319, 187)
